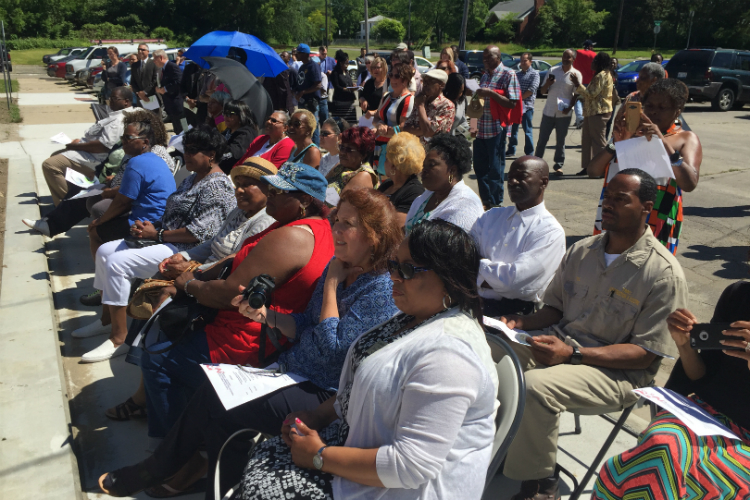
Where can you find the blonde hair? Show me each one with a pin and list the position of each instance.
(378, 61)
(448, 51)
(406, 153)
(311, 121)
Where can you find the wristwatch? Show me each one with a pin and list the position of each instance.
(318, 459)
(577, 357)
(611, 148)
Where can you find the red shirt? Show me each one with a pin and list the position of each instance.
(233, 338)
(583, 61)
(278, 154)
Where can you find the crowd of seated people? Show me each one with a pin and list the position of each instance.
(380, 293)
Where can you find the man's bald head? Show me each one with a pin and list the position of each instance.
(491, 57)
(528, 177)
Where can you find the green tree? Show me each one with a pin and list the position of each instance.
(568, 22)
(504, 30)
(389, 29)
(163, 33)
(317, 23)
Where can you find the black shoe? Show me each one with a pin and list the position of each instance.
(539, 489)
(92, 299)
(557, 167)
(583, 172)
(510, 153)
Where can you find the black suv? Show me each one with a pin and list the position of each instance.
(473, 60)
(721, 76)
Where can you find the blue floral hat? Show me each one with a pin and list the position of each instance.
(299, 177)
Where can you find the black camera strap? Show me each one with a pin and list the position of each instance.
(271, 334)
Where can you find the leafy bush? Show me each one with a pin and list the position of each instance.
(566, 22)
(504, 30)
(163, 33)
(45, 43)
(389, 29)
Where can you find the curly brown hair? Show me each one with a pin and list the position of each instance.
(148, 124)
(378, 219)
(405, 73)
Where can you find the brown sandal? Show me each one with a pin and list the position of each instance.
(127, 411)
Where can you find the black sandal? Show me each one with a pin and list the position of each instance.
(127, 411)
(165, 491)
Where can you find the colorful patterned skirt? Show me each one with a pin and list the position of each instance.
(672, 463)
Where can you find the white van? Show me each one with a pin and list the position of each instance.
(93, 55)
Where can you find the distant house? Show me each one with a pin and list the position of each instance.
(524, 12)
(372, 22)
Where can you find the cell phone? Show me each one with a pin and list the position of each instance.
(633, 116)
(706, 337)
(551, 78)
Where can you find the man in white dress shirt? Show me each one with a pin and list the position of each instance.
(521, 246)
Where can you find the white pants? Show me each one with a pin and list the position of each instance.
(117, 265)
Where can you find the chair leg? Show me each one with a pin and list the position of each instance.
(559, 468)
(602, 452)
(577, 419)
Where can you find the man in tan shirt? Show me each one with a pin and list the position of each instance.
(601, 333)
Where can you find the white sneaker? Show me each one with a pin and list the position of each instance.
(38, 225)
(91, 330)
(104, 352)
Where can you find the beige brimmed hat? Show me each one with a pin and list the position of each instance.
(401, 46)
(255, 167)
(437, 74)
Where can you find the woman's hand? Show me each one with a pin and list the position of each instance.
(574, 80)
(363, 105)
(339, 271)
(173, 266)
(166, 293)
(242, 305)
(305, 443)
(144, 230)
(680, 323)
(381, 129)
(647, 129)
(620, 130)
(310, 417)
(93, 224)
(739, 329)
(513, 321)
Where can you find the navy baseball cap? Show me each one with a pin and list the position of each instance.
(303, 48)
(299, 177)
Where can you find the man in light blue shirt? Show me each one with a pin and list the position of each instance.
(327, 64)
(528, 79)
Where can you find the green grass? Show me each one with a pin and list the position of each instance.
(30, 57)
(15, 114)
(13, 85)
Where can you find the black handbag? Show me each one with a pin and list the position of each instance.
(181, 317)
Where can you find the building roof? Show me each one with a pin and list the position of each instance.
(521, 8)
(375, 19)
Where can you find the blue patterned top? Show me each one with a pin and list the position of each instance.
(320, 347)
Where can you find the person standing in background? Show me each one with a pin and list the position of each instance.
(327, 65)
(461, 67)
(528, 79)
(307, 89)
(558, 86)
(143, 74)
(489, 145)
(168, 80)
(584, 59)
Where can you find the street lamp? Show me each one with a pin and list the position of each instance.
(690, 29)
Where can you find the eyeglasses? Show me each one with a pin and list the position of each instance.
(296, 123)
(326, 133)
(405, 270)
(231, 113)
(348, 149)
(128, 138)
(394, 76)
(142, 50)
(274, 120)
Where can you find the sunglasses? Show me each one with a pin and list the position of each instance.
(394, 76)
(128, 138)
(348, 149)
(274, 120)
(142, 50)
(231, 113)
(405, 270)
(273, 190)
(326, 133)
(296, 123)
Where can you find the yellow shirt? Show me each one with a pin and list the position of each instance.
(597, 97)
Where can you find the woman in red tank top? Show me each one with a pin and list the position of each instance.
(294, 251)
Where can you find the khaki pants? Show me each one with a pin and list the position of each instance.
(550, 391)
(54, 169)
(593, 137)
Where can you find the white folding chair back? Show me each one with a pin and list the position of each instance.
(511, 393)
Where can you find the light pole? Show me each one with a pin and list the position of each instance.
(408, 37)
(464, 20)
(326, 42)
(367, 30)
(617, 30)
(690, 29)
